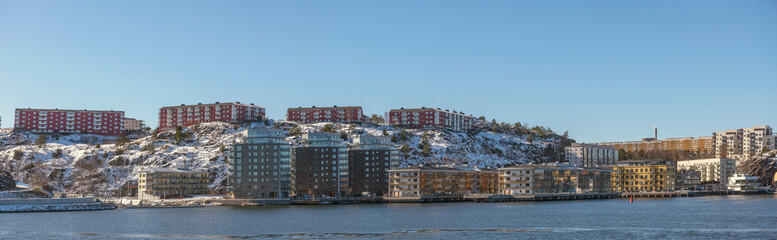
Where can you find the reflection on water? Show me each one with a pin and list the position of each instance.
(682, 218)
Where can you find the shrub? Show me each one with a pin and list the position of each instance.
(17, 155)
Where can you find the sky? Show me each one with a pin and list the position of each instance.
(602, 70)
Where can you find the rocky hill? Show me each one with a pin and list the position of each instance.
(95, 164)
(763, 166)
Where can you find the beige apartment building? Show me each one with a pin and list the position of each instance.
(703, 144)
(436, 182)
(131, 124)
(590, 155)
(553, 179)
(713, 171)
(743, 143)
(161, 183)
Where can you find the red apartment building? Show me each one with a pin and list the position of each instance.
(107, 123)
(187, 115)
(431, 118)
(315, 114)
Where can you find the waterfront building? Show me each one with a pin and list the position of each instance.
(742, 182)
(346, 114)
(431, 118)
(744, 143)
(320, 166)
(590, 155)
(688, 179)
(644, 176)
(131, 124)
(161, 183)
(260, 165)
(369, 160)
(441, 182)
(107, 123)
(526, 180)
(713, 171)
(187, 115)
(703, 144)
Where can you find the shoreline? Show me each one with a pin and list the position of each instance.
(216, 202)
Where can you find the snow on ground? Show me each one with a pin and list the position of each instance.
(96, 161)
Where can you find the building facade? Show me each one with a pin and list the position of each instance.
(431, 118)
(551, 179)
(744, 143)
(644, 176)
(187, 115)
(260, 165)
(107, 123)
(590, 155)
(688, 179)
(742, 182)
(347, 114)
(369, 160)
(703, 144)
(320, 166)
(161, 183)
(713, 171)
(131, 124)
(437, 182)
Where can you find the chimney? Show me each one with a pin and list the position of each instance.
(656, 129)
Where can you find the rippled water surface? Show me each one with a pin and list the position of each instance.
(726, 217)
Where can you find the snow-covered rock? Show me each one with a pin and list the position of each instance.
(87, 164)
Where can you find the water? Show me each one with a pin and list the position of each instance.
(728, 217)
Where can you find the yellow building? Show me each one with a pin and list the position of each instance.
(644, 176)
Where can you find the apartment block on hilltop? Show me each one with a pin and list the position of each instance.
(369, 160)
(431, 118)
(187, 115)
(131, 124)
(162, 183)
(703, 144)
(590, 155)
(260, 165)
(346, 114)
(644, 176)
(107, 123)
(321, 166)
(744, 143)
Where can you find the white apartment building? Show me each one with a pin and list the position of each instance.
(711, 169)
(590, 155)
(744, 143)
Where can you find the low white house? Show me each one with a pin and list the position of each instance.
(741, 182)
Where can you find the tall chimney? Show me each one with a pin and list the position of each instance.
(656, 129)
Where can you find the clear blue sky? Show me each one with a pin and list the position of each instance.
(604, 70)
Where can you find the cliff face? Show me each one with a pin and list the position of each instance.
(95, 164)
(763, 166)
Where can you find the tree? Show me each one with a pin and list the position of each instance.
(385, 133)
(294, 131)
(343, 136)
(530, 138)
(41, 141)
(122, 139)
(764, 150)
(377, 119)
(17, 155)
(329, 128)
(57, 153)
(482, 118)
(566, 134)
(723, 149)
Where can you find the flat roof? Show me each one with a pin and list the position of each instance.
(171, 170)
(211, 104)
(64, 110)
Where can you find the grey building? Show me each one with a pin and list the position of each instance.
(321, 166)
(590, 155)
(260, 165)
(369, 160)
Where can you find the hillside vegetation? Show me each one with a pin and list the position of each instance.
(94, 164)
